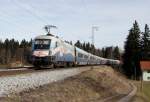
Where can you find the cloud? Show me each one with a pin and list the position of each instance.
(73, 17)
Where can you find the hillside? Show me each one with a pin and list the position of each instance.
(93, 85)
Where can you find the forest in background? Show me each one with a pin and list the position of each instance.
(12, 51)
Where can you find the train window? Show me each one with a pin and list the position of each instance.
(80, 55)
(42, 44)
(85, 56)
(41, 41)
(92, 58)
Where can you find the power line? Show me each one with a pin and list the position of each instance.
(7, 21)
(31, 6)
(85, 5)
(10, 22)
(19, 5)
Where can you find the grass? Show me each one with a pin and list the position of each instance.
(142, 95)
(4, 66)
(146, 89)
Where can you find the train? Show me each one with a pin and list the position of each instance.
(51, 51)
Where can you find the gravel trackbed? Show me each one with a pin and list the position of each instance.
(18, 83)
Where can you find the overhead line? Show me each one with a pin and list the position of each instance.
(31, 6)
(9, 21)
(2, 13)
(29, 11)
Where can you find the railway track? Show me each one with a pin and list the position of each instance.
(22, 70)
(25, 70)
(15, 71)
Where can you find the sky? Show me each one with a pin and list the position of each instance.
(74, 19)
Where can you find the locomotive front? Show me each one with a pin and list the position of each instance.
(41, 52)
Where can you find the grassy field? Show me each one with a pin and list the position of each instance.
(143, 95)
(146, 89)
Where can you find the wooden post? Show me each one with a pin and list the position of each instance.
(142, 82)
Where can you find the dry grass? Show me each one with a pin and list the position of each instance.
(89, 86)
(3, 66)
(144, 94)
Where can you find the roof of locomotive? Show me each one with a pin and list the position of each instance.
(45, 37)
(81, 51)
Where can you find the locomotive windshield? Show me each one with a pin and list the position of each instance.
(42, 44)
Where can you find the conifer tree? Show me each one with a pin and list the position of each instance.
(116, 53)
(145, 43)
(84, 46)
(108, 52)
(131, 57)
(88, 47)
(78, 44)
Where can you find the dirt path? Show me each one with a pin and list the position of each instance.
(130, 95)
(122, 97)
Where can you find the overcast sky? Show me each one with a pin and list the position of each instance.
(74, 18)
